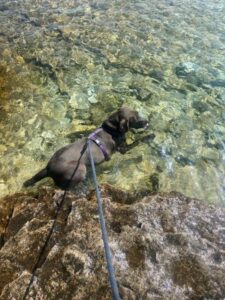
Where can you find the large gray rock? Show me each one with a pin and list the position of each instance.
(164, 246)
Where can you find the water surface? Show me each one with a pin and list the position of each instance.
(66, 65)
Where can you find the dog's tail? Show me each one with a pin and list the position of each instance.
(40, 175)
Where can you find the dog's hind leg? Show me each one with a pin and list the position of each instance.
(66, 180)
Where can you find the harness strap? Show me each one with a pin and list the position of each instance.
(93, 138)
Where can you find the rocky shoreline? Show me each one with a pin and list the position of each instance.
(164, 246)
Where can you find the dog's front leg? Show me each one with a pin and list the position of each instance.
(144, 139)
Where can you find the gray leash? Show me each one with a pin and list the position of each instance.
(112, 278)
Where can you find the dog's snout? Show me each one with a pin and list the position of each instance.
(146, 126)
(142, 123)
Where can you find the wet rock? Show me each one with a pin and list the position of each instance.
(154, 179)
(186, 68)
(210, 154)
(3, 7)
(218, 83)
(157, 74)
(3, 148)
(141, 94)
(77, 12)
(193, 73)
(183, 161)
(200, 106)
(163, 246)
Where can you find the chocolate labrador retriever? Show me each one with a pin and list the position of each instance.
(105, 141)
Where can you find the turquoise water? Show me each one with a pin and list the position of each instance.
(66, 65)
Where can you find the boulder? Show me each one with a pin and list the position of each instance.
(164, 246)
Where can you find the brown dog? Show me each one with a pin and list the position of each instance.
(105, 141)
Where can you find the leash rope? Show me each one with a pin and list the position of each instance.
(111, 273)
(36, 266)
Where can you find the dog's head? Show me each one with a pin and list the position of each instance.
(124, 119)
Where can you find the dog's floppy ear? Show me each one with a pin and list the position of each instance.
(117, 121)
(113, 121)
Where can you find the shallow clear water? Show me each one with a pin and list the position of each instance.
(65, 65)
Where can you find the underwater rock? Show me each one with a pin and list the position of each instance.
(210, 154)
(183, 161)
(3, 148)
(164, 246)
(200, 106)
(193, 73)
(218, 83)
(157, 74)
(186, 68)
(141, 94)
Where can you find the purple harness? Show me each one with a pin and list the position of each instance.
(93, 138)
